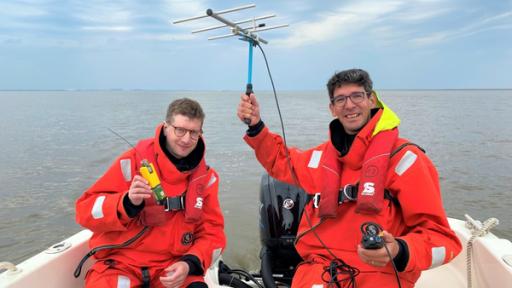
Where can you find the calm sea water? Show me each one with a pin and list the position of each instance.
(56, 144)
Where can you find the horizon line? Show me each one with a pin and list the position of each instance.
(230, 90)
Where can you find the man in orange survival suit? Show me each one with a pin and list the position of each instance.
(362, 173)
(182, 242)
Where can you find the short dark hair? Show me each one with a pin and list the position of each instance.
(186, 107)
(351, 76)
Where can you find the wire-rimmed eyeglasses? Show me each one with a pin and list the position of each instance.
(180, 132)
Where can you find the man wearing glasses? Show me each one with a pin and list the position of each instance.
(363, 173)
(185, 229)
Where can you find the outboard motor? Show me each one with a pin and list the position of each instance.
(280, 212)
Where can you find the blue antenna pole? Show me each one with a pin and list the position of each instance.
(249, 72)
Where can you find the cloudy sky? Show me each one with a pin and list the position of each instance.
(404, 44)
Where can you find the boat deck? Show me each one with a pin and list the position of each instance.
(491, 265)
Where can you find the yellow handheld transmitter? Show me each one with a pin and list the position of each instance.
(147, 170)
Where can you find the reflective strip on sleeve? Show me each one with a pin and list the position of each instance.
(438, 255)
(126, 168)
(123, 281)
(97, 208)
(212, 180)
(315, 159)
(317, 286)
(405, 163)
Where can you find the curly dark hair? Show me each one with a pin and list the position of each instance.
(351, 76)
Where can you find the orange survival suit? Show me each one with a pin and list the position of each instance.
(171, 237)
(418, 221)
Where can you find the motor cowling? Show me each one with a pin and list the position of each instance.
(281, 207)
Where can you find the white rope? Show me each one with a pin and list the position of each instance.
(477, 230)
(8, 266)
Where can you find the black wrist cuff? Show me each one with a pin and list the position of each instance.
(255, 129)
(402, 258)
(194, 264)
(132, 210)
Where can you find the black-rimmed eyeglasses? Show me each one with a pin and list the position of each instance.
(355, 97)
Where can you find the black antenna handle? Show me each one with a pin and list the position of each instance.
(248, 92)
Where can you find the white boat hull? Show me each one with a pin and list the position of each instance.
(52, 268)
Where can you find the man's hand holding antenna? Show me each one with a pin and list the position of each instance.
(249, 109)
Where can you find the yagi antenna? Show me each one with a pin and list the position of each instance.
(248, 34)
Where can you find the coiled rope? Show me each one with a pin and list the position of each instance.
(8, 266)
(477, 230)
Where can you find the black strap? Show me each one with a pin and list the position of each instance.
(403, 146)
(145, 277)
(347, 194)
(174, 203)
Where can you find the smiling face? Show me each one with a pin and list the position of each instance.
(182, 146)
(353, 116)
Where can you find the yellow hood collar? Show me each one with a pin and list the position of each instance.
(388, 120)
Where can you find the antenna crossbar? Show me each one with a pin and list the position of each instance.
(218, 12)
(265, 28)
(236, 30)
(251, 30)
(237, 22)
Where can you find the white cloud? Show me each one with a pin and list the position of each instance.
(394, 21)
(20, 15)
(343, 21)
(167, 37)
(100, 16)
(183, 9)
(496, 18)
(495, 22)
(387, 35)
(15, 10)
(95, 13)
(433, 38)
(422, 13)
(108, 28)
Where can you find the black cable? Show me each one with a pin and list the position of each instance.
(294, 176)
(292, 171)
(247, 275)
(394, 266)
(338, 268)
(231, 280)
(375, 230)
(78, 269)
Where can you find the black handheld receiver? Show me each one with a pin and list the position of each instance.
(372, 236)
